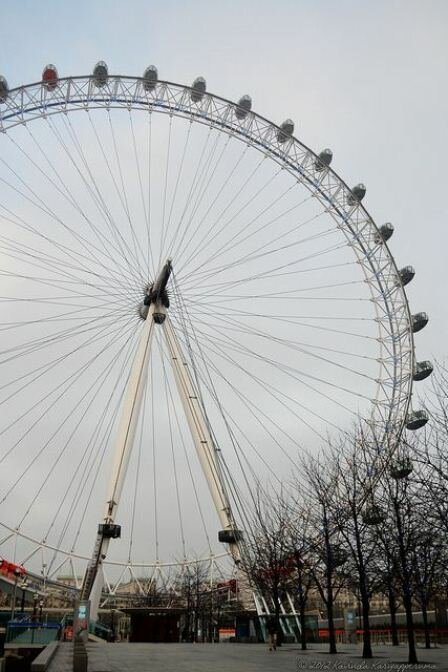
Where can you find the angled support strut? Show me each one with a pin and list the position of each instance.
(154, 311)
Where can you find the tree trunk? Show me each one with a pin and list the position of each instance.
(407, 587)
(363, 588)
(302, 606)
(303, 627)
(277, 620)
(412, 657)
(426, 625)
(331, 628)
(366, 638)
(393, 616)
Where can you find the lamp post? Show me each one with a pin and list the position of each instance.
(17, 573)
(23, 586)
(113, 625)
(35, 600)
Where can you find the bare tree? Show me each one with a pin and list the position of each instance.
(267, 559)
(328, 554)
(355, 516)
(404, 531)
(302, 557)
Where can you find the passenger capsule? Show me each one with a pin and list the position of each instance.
(323, 160)
(243, 107)
(143, 311)
(384, 233)
(158, 317)
(4, 89)
(406, 274)
(198, 89)
(230, 536)
(100, 74)
(401, 468)
(373, 515)
(416, 420)
(419, 320)
(285, 131)
(150, 77)
(338, 555)
(50, 77)
(423, 370)
(357, 194)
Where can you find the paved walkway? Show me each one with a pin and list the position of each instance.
(244, 658)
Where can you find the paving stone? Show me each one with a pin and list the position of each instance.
(124, 657)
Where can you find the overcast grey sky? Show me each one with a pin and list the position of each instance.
(367, 79)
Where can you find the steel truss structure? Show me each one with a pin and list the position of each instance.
(34, 101)
(391, 406)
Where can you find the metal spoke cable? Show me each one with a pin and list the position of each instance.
(259, 254)
(221, 190)
(35, 344)
(140, 184)
(165, 190)
(92, 187)
(137, 474)
(154, 461)
(328, 250)
(93, 191)
(227, 284)
(270, 273)
(224, 299)
(125, 202)
(247, 203)
(89, 456)
(208, 174)
(63, 189)
(105, 441)
(43, 206)
(43, 369)
(46, 210)
(284, 342)
(290, 371)
(46, 260)
(201, 221)
(59, 427)
(173, 458)
(190, 471)
(286, 293)
(229, 480)
(188, 199)
(184, 316)
(235, 240)
(270, 389)
(94, 389)
(296, 320)
(229, 325)
(68, 286)
(68, 382)
(115, 230)
(252, 407)
(176, 187)
(148, 223)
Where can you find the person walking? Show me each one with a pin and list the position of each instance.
(271, 626)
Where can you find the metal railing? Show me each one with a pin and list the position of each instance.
(100, 630)
(31, 632)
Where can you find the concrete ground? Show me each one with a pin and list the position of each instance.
(244, 658)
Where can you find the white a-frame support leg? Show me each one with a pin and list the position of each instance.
(154, 312)
(200, 432)
(94, 579)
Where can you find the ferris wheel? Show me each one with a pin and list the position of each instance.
(190, 298)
